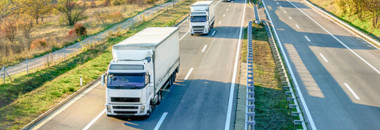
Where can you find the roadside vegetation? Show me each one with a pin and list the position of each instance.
(271, 106)
(29, 96)
(31, 28)
(363, 14)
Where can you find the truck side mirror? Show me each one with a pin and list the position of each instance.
(103, 79)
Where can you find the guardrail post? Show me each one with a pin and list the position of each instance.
(250, 101)
(27, 67)
(3, 71)
(80, 80)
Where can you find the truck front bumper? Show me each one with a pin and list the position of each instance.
(199, 31)
(127, 110)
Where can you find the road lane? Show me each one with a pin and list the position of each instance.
(197, 101)
(324, 84)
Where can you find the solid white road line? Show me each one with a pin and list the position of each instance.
(303, 102)
(160, 121)
(352, 91)
(290, 18)
(224, 15)
(61, 109)
(220, 22)
(284, 11)
(94, 120)
(307, 38)
(357, 55)
(217, 3)
(184, 35)
(204, 48)
(323, 57)
(213, 33)
(232, 88)
(366, 41)
(297, 26)
(188, 74)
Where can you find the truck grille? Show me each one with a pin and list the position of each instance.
(124, 99)
(125, 107)
(125, 112)
(199, 27)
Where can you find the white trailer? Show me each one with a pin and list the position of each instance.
(202, 17)
(142, 66)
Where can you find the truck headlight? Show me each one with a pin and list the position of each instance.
(142, 108)
(108, 108)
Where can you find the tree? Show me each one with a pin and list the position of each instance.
(373, 6)
(9, 29)
(72, 11)
(25, 24)
(35, 8)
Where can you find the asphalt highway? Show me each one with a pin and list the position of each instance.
(337, 72)
(200, 99)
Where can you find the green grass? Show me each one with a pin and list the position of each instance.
(29, 96)
(271, 106)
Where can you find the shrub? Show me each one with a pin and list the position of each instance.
(150, 1)
(106, 3)
(93, 4)
(72, 34)
(116, 15)
(38, 43)
(80, 29)
(116, 2)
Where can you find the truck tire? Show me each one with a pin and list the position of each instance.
(159, 98)
(171, 80)
(149, 112)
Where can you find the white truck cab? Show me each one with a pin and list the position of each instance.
(142, 66)
(202, 17)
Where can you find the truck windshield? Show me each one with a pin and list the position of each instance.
(127, 81)
(198, 19)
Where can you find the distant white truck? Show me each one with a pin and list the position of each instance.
(202, 17)
(142, 66)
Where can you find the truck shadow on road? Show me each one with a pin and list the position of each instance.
(190, 104)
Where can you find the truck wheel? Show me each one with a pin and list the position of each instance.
(169, 82)
(151, 107)
(173, 79)
(159, 98)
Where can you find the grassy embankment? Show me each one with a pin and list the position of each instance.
(271, 106)
(364, 25)
(32, 95)
(54, 29)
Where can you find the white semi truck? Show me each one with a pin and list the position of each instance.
(202, 17)
(142, 66)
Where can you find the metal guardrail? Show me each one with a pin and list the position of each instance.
(250, 101)
(291, 98)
